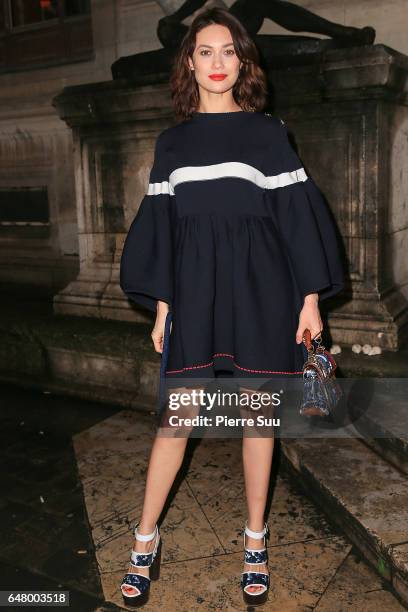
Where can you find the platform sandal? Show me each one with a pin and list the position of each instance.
(140, 582)
(250, 578)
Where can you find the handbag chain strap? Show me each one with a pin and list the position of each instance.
(307, 339)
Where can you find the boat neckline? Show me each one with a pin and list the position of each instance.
(202, 115)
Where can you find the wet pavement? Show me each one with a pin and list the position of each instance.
(45, 541)
(73, 475)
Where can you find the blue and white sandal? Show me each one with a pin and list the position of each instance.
(250, 578)
(140, 584)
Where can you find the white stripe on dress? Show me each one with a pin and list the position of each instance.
(224, 170)
(157, 188)
(285, 178)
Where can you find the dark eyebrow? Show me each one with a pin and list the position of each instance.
(210, 47)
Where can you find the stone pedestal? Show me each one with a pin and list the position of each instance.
(350, 117)
(348, 109)
(115, 126)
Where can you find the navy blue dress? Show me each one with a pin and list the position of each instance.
(232, 233)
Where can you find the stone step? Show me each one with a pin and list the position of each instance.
(111, 361)
(389, 364)
(384, 424)
(365, 496)
(104, 361)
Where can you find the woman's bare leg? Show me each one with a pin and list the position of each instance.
(166, 458)
(257, 461)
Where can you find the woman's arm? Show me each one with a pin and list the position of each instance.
(157, 334)
(309, 317)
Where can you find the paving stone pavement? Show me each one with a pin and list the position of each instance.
(72, 482)
(312, 566)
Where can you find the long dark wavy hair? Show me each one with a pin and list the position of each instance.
(250, 90)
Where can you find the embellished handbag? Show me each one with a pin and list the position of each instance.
(321, 391)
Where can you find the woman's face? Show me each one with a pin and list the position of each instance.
(214, 55)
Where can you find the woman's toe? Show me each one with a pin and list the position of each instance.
(130, 590)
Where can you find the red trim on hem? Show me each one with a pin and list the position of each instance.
(207, 365)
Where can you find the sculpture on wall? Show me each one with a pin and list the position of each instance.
(251, 13)
(148, 66)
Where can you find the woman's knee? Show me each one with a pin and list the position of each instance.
(182, 407)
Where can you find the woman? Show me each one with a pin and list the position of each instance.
(235, 242)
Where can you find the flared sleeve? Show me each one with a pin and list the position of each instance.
(305, 223)
(146, 260)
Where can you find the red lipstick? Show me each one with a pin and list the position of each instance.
(217, 77)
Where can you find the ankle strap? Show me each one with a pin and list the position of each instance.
(145, 537)
(257, 535)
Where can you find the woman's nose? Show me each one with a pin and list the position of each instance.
(217, 63)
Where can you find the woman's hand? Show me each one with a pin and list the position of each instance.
(158, 329)
(309, 318)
